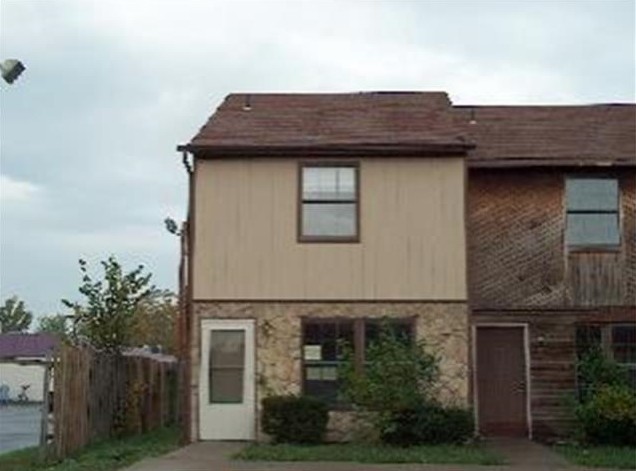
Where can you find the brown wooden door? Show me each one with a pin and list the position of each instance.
(501, 381)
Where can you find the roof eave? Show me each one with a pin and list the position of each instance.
(335, 150)
(548, 162)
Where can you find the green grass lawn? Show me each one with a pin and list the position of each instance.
(105, 456)
(600, 456)
(364, 453)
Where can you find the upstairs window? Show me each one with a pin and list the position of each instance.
(592, 213)
(329, 203)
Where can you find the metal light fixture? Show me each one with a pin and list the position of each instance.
(11, 70)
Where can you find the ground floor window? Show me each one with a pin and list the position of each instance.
(617, 341)
(623, 349)
(324, 341)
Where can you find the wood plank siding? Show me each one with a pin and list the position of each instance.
(596, 278)
(552, 360)
(517, 252)
(412, 234)
(521, 272)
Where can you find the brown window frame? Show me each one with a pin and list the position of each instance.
(359, 344)
(300, 201)
(587, 247)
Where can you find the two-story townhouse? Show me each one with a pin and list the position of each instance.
(552, 255)
(312, 216)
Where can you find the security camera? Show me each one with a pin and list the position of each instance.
(11, 69)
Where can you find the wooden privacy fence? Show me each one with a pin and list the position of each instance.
(98, 396)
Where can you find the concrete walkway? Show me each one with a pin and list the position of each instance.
(525, 454)
(521, 455)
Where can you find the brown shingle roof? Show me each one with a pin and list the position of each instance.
(418, 123)
(385, 121)
(547, 135)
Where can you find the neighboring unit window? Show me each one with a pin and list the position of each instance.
(227, 360)
(329, 202)
(589, 339)
(592, 212)
(617, 341)
(323, 349)
(624, 348)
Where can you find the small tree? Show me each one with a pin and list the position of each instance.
(106, 319)
(14, 316)
(54, 324)
(398, 387)
(155, 319)
(397, 374)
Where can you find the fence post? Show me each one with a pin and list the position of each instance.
(44, 420)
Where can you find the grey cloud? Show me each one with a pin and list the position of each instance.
(112, 87)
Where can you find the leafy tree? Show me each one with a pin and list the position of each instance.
(395, 388)
(54, 324)
(397, 375)
(154, 320)
(106, 319)
(14, 316)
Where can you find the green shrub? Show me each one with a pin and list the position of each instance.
(605, 409)
(398, 374)
(596, 371)
(609, 416)
(428, 424)
(292, 419)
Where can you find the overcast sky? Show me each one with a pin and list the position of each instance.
(88, 132)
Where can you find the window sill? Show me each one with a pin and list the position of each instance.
(328, 240)
(594, 249)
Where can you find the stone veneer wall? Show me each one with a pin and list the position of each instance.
(444, 327)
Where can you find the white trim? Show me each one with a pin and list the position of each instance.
(249, 326)
(526, 350)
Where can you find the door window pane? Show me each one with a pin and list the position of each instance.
(227, 362)
(226, 386)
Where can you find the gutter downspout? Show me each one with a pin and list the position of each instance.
(187, 246)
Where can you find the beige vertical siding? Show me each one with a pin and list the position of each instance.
(412, 234)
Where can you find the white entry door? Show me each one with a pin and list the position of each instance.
(226, 386)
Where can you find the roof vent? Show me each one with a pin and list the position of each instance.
(473, 120)
(248, 103)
